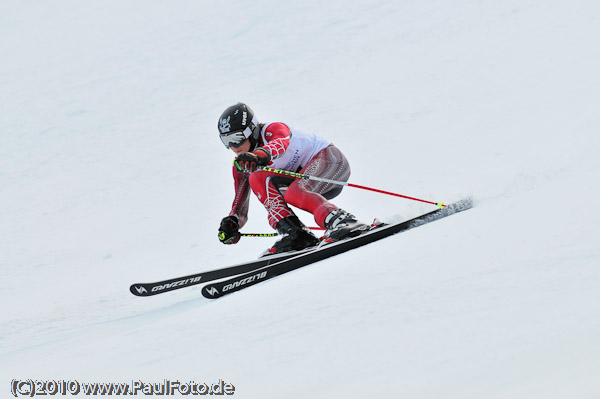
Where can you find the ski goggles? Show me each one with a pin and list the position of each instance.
(235, 139)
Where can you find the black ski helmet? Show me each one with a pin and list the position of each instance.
(238, 123)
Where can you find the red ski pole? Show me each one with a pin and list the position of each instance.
(343, 183)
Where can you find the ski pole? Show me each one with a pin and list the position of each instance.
(273, 234)
(259, 234)
(343, 183)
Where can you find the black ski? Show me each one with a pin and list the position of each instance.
(149, 289)
(221, 288)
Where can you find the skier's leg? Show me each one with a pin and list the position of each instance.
(262, 184)
(295, 235)
(312, 196)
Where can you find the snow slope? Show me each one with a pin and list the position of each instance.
(111, 173)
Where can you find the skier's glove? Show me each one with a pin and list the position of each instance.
(229, 230)
(250, 161)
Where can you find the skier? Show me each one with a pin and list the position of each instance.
(277, 145)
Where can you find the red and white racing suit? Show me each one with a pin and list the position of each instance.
(295, 151)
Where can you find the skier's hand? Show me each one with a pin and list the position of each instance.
(250, 161)
(229, 230)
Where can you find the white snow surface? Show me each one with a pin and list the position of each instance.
(111, 173)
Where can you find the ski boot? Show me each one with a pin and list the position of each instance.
(341, 224)
(296, 236)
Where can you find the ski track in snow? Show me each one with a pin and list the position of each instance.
(111, 173)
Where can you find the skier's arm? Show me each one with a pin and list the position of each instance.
(277, 140)
(229, 229)
(277, 137)
(241, 201)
